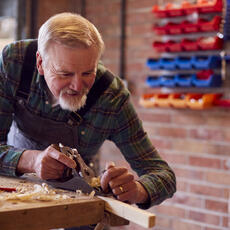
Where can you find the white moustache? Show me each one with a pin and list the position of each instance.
(72, 92)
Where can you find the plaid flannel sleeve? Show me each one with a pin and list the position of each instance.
(9, 156)
(154, 173)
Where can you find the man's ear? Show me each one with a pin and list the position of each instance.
(39, 63)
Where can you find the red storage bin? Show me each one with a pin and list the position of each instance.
(190, 27)
(213, 25)
(204, 74)
(160, 13)
(222, 102)
(174, 11)
(174, 28)
(160, 30)
(173, 46)
(205, 6)
(202, 6)
(189, 44)
(210, 43)
(160, 46)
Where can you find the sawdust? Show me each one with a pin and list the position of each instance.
(36, 192)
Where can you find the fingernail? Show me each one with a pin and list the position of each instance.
(74, 165)
(109, 164)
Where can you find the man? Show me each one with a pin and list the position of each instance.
(66, 80)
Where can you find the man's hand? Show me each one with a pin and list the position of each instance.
(47, 164)
(123, 185)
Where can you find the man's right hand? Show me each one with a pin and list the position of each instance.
(47, 164)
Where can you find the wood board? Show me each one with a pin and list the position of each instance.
(74, 211)
(35, 214)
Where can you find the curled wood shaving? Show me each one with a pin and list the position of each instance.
(91, 195)
(39, 192)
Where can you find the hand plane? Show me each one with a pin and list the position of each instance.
(81, 178)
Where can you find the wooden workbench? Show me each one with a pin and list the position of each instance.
(64, 213)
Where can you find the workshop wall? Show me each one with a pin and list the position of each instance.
(195, 143)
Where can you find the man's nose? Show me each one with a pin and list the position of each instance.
(76, 83)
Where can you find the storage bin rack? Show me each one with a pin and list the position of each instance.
(180, 100)
(188, 68)
(204, 78)
(187, 8)
(200, 44)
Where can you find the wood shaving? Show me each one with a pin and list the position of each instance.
(91, 195)
(78, 192)
(39, 192)
(95, 182)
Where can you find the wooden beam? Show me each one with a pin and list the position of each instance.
(50, 215)
(129, 212)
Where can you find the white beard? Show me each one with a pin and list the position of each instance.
(72, 103)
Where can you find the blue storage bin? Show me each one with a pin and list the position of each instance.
(184, 62)
(184, 80)
(168, 80)
(153, 63)
(214, 80)
(168, 63)
(153, 81)
(206, 62)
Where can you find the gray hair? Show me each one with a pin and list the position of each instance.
(70, 30)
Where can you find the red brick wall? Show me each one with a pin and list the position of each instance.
(195, 143)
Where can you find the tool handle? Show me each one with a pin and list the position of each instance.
(8, 189)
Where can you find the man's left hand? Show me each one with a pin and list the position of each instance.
(123, 184)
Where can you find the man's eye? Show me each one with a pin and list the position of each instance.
(86, 74)
(67, 74)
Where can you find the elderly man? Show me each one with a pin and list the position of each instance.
(60, 92)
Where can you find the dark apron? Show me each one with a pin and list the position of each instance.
(32, 131)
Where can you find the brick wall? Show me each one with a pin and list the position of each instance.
(195, 143)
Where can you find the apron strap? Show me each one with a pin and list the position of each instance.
(27, 70)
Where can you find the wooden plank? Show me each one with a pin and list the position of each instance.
(37, 215)
(129, 212)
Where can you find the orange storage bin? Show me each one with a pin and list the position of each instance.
(147, 100)
(178, 100)
(201, 101)
(162, 100)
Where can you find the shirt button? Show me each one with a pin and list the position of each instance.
(70, 122)
(20, 101)
(82, 132)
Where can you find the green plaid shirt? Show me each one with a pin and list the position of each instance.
(112, 118)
